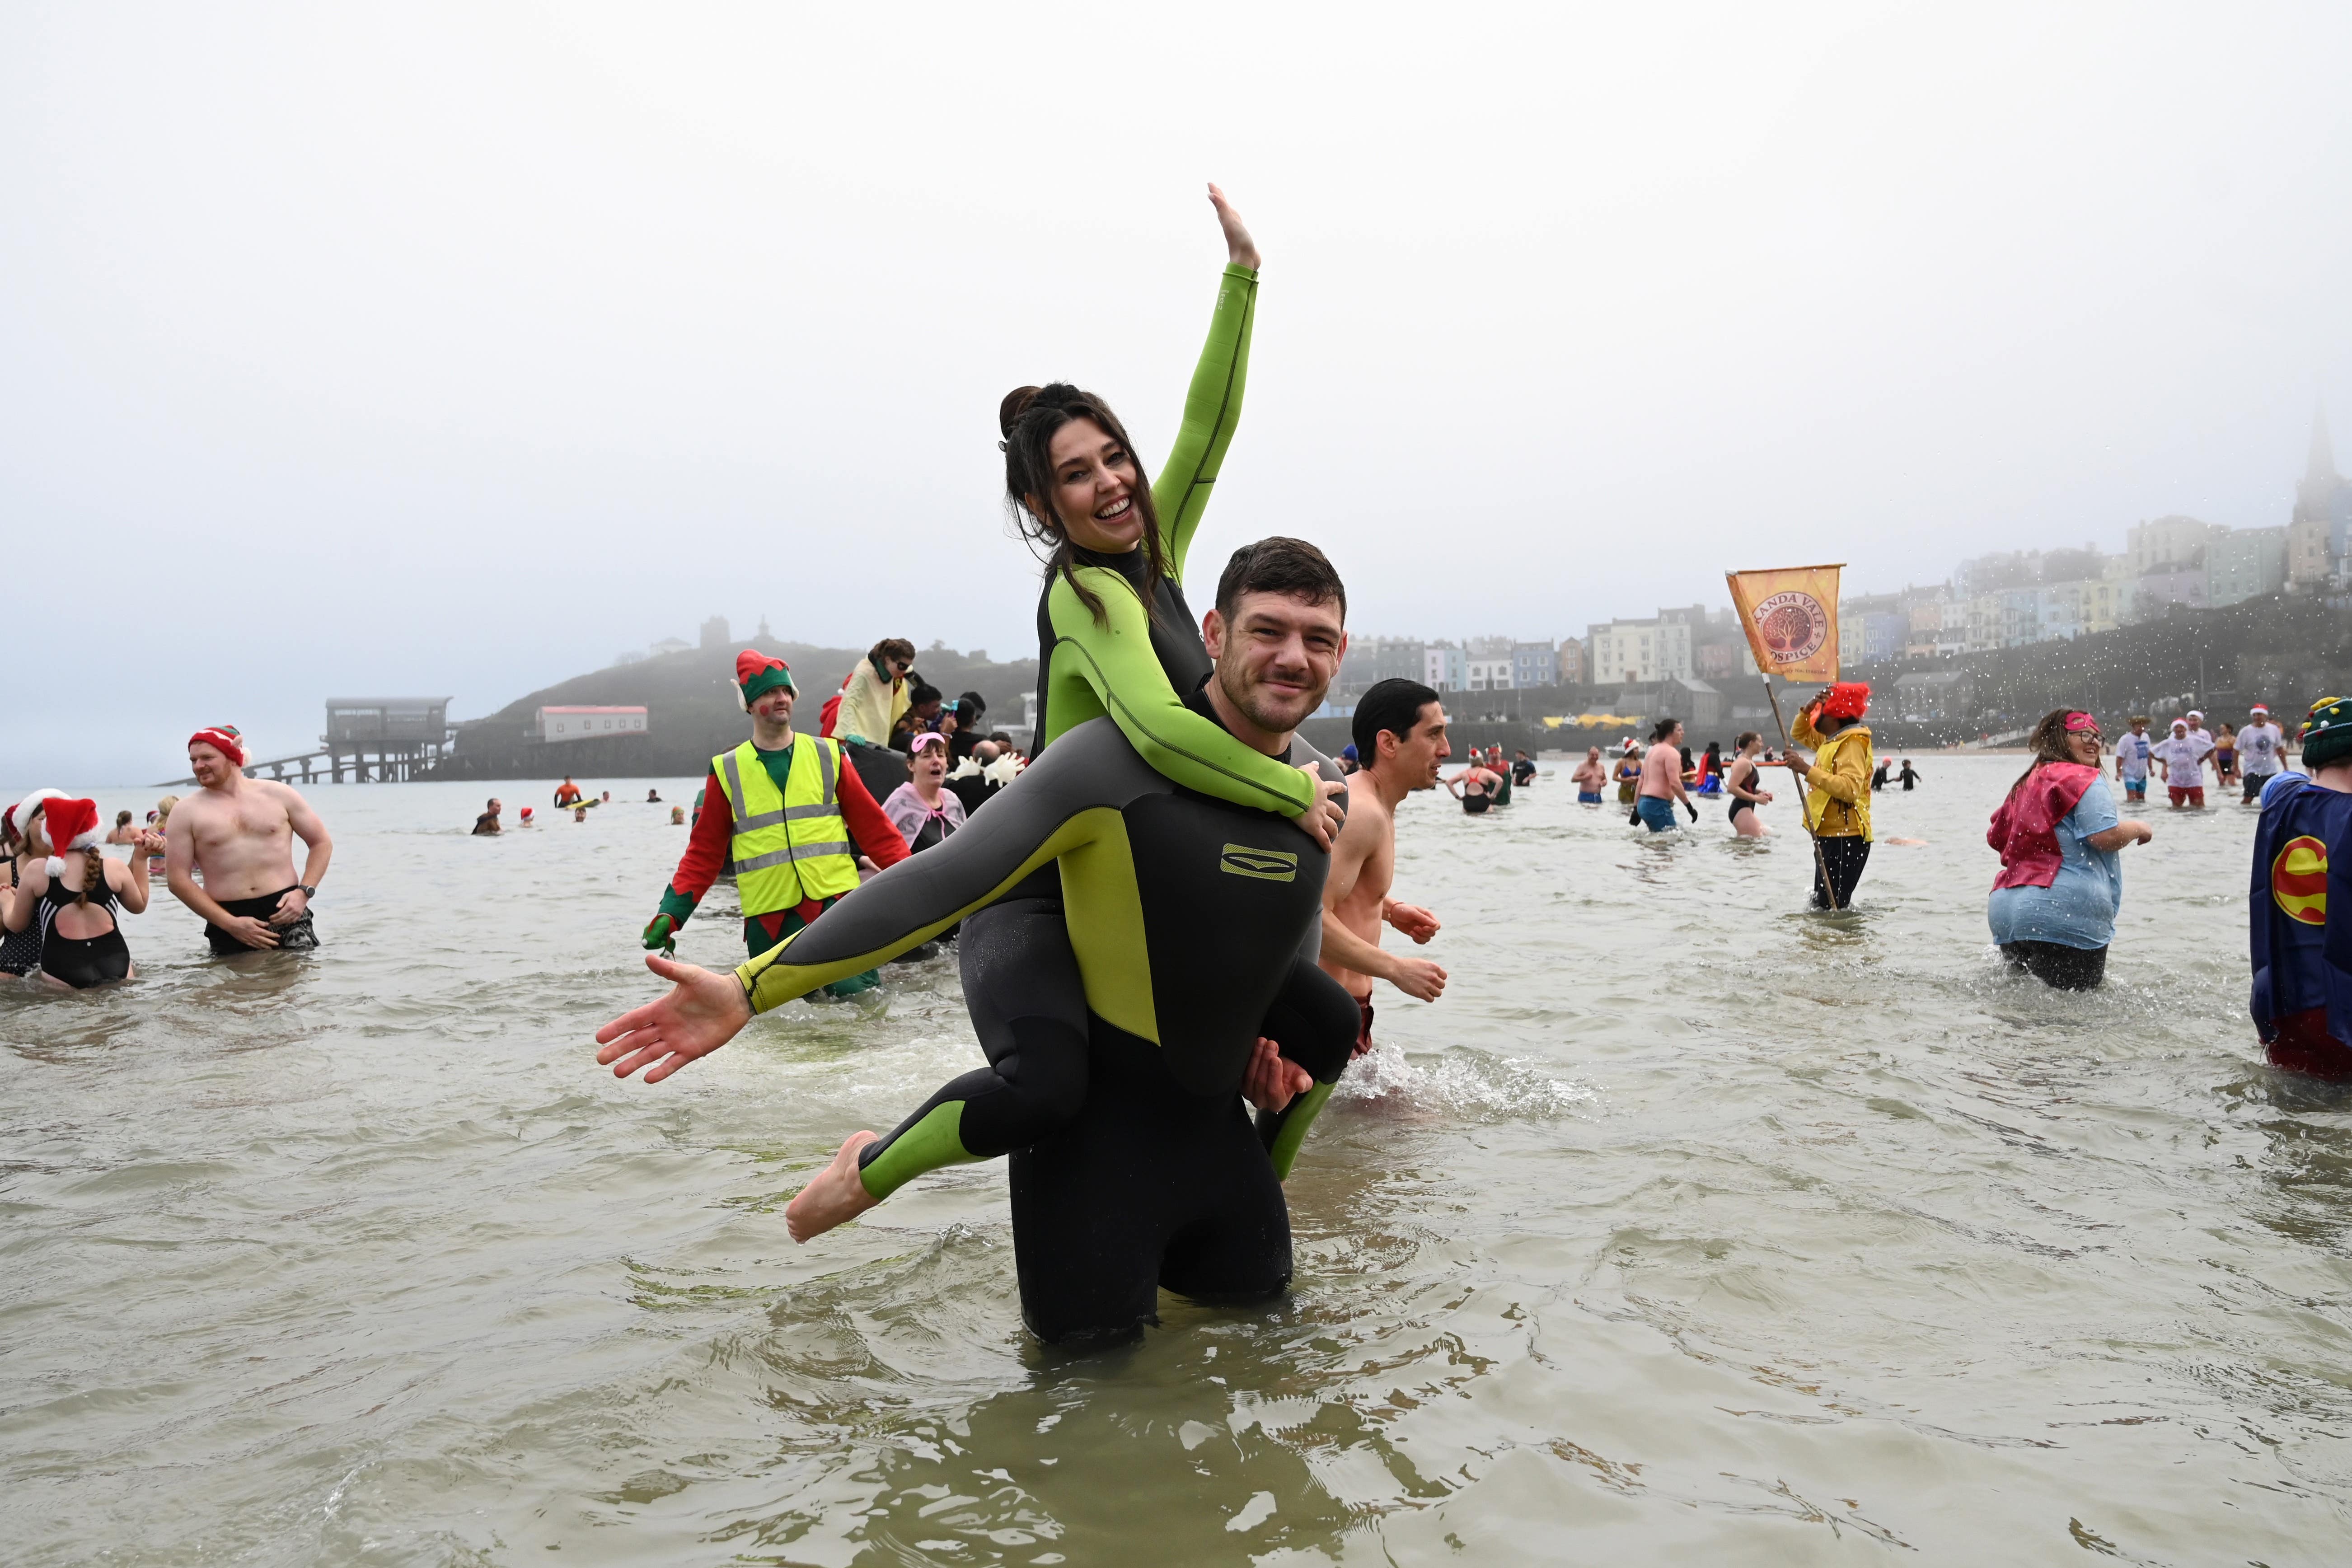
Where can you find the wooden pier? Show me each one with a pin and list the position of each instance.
(376, 740)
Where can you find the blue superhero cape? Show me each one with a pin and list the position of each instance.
(2301, 868)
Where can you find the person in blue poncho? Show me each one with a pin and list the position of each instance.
(2053, 909)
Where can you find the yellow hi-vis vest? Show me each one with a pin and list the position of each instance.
(791, 845)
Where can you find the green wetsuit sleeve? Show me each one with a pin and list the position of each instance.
(1129, 684)
(1212, 407)
(1042, 815)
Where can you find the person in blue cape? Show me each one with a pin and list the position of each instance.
(2302, 999)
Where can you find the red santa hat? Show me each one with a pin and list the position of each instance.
(756, 675)
(71, 824)
(1847, 699)
(223, 739)
(19, 816)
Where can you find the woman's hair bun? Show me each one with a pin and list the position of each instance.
(1017, 403)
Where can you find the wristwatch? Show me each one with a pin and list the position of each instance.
(308, 892)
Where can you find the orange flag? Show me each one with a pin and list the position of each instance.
(1791, 618)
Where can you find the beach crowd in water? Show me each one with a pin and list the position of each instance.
(1167, 908)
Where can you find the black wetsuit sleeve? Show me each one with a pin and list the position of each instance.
(1060, 803)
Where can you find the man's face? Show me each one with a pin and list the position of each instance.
(1278, 658)
(1419, 751)
(2139, 727)
(774, 705)
(494, 808)
(207, 763)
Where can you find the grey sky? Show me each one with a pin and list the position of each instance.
(453, 350)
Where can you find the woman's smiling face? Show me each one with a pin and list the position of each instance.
(1095, 489)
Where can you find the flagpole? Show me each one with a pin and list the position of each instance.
(1804, 816)
(1810, 591)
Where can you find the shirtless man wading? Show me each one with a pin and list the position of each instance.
(1661, 778)
(1400, 734)
(240, 833)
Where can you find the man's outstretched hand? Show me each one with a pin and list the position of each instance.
(704, 1010)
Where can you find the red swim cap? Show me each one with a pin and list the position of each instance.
(1847, 699)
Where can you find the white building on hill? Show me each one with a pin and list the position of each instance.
(1640, 652)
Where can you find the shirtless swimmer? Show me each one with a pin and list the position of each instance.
(1400, 735)
(240, 833)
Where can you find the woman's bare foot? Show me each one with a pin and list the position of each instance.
(835, 1197)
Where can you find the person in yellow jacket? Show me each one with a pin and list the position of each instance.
(876, 693)
(788, 814)
(1837, 788)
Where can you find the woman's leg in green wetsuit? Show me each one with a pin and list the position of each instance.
(1037, 1078)
(1028, 1006)
(1315, 1021)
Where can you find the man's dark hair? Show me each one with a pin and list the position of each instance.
(1280, 565)
(1662, 728)
(1392, 705)
(919, 692)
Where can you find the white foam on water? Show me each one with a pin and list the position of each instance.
(1464, 1081)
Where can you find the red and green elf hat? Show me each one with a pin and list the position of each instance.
(757, 674)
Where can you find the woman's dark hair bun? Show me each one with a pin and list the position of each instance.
(1017, 403)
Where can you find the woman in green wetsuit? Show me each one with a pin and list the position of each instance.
(1116, 639)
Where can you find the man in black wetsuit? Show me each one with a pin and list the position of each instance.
(1195, 926)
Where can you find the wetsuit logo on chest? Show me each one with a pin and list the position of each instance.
(1266, 865)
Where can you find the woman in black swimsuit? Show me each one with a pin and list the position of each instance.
(70, 897)
(1739, 783)
(20, 829)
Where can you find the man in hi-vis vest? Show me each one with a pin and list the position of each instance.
(789, 814)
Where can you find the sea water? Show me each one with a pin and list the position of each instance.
(1687, 1226)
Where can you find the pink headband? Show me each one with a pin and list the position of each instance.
(2078, 723)
(928, 738)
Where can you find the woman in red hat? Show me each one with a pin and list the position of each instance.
(20, 835)
(73, 894)
(1837, 797)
